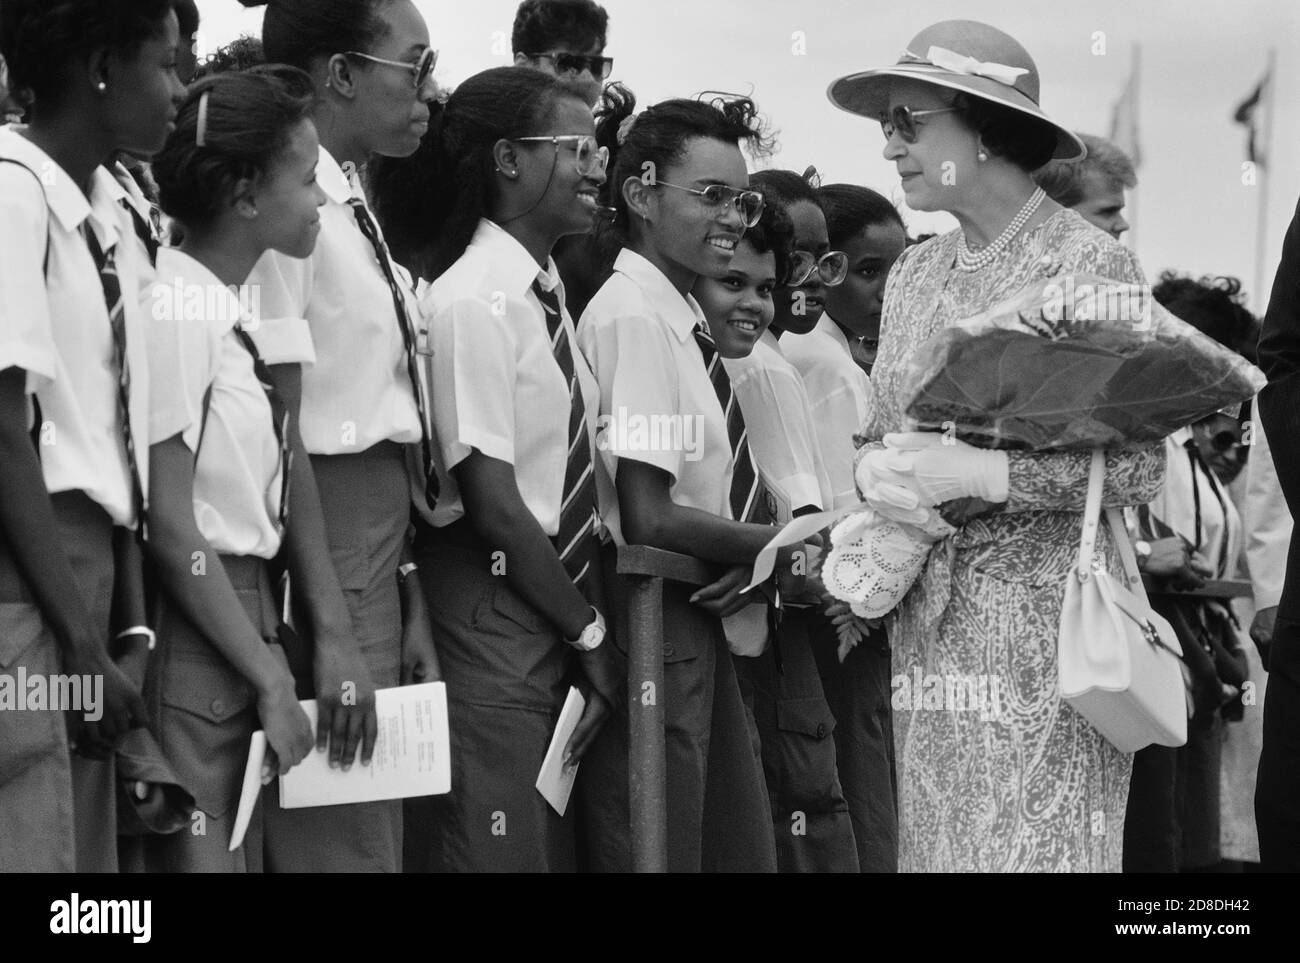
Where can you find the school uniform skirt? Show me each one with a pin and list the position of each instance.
(366, 500)
(203, 713)
(57, 809)
(719, 819)
(507, 671)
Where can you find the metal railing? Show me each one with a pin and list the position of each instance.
(644, 571)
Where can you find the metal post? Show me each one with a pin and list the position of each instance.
(648, 762)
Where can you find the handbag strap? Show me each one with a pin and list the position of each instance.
(1092, 513)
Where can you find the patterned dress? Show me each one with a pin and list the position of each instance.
(996, 772)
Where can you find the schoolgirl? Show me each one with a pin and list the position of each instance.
(74, 405)
(371, 66)
(239, 175)
(866, 228)
(680, 187)
(779, 677)
(510, 558)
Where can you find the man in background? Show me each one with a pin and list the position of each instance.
(565, 38)
(1094, 186)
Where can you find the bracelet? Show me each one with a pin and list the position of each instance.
(406, 569)
(139, 630)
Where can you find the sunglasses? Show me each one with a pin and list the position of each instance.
(832, 267)
(422, 68)
(903, 119)
(719, 196)
(589, 158)
(573, 64)
(1225, 441)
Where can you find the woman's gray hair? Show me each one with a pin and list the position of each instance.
(1063, 179)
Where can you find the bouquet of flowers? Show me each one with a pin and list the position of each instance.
(1074, 362)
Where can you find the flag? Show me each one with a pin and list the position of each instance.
(1247, 114)
(1124, 117)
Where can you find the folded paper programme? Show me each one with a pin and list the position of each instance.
(412, 758)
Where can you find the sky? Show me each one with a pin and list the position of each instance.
(1194, 211)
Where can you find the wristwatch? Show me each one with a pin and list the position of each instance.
(1142, 549)
(592, 635)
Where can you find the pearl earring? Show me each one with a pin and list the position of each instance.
(982, 156)
(101, 86)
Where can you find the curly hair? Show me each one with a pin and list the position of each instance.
(659, 136)
(543, 25)
(39, 39)
(239, 54)
(1214, 306)
(250, 117)
(429, 204)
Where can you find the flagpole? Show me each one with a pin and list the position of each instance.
(1137, 149)
(1262, 161)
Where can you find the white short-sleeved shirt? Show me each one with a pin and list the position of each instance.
(496, 386)
(338, 303)
(837, 391)
(54, 324)
(782, 435)
(193, 345)
(1221, 534)
(657, 404)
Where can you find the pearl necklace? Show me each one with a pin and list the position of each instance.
(968, 260)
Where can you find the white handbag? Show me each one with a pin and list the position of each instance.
(1119, 661)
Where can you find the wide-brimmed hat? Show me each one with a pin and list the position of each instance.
(964, 55)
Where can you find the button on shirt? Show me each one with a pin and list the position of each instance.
(657, 404)
(837, 391)
(778, 416)
(496, 386)
(338, 303)
(54, 322)
(193, 344)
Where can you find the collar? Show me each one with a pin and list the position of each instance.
(682, 315)
(771, 340)
(508, 256)
(182, 278)
(332, 180)
(832, 330)
(65, 200)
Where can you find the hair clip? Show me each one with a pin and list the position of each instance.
(625, 128)
(812, 177)
(201, 133)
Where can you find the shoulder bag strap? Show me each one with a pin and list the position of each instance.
(1091, 514)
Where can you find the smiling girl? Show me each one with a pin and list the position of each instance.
(510, 558)
(681, 191)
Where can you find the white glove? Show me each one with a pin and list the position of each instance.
(939, 469)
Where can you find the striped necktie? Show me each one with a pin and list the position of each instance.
(576, 541)
(106, 265)
(279, 419)
(748, 503)
(371, 232)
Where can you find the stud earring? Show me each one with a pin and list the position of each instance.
(982, 156)
(101, 86)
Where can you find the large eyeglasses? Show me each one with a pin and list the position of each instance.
(590, 159)
(571, 64)
(903, 119)
(422, 68)
(718, 196)
(832, 267)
